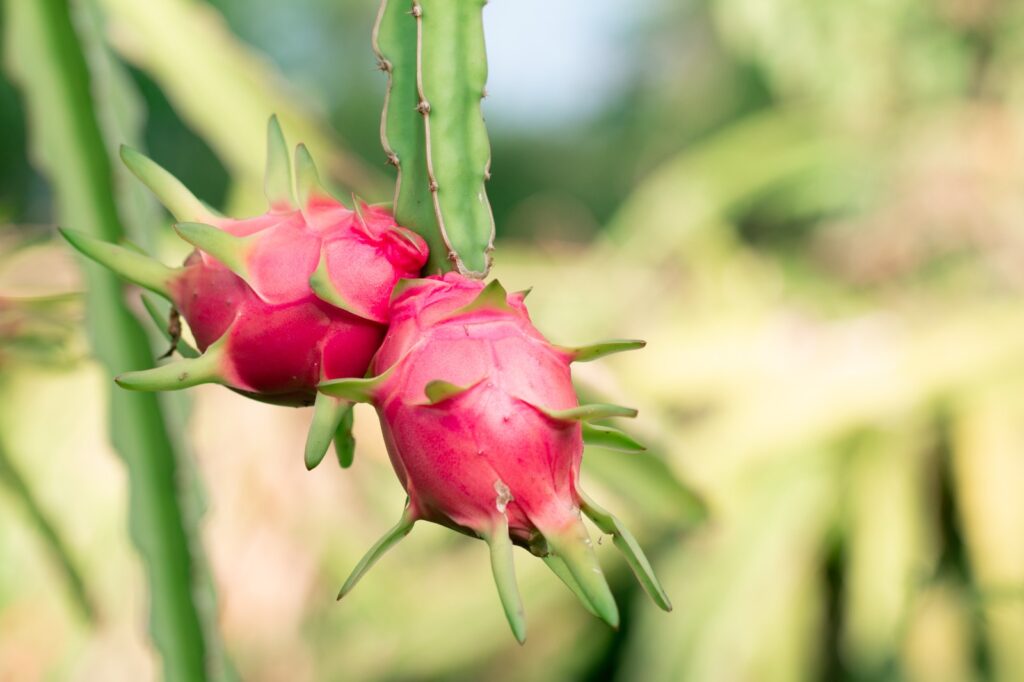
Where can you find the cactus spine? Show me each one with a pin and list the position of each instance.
(433, 129)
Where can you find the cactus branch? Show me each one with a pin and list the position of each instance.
(432, 128)
(44, 55)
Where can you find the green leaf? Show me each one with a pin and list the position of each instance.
(179, 374)
(344, 441)
(126, 262)
(504, 569)
(277, 180)
(328, 413)
(323, 287)
(386, 542)
(559, 568)
(600, 350)
(230, 250)
(438, 391)
(354, 390)
(175, 197)
(573, 546)
(607, 437)
(630, 549)
(590, 412)
(491, 297)
(307, 178)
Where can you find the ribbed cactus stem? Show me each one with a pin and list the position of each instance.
(433, 129)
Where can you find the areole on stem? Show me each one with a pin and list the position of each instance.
(432, 127)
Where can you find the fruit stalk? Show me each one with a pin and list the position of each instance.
(432, 127)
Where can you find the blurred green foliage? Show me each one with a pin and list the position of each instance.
(812, 210)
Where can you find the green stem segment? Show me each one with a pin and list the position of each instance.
(12, 479)
(433, 129)
(45, 56)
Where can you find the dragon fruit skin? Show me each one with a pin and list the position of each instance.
(485, 432)
(281, 339)
(486, 450)
(276, 303)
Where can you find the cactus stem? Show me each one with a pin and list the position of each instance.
(491, 297)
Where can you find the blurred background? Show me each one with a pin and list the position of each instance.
(814, 213)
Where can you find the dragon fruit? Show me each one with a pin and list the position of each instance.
(486, 434)
(279, 302)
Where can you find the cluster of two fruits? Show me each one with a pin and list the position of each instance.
(298, 306)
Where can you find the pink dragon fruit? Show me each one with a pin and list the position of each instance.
(486, 434)
(279, 302)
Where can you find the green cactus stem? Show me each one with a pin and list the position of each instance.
(433, 130)
(44, 55)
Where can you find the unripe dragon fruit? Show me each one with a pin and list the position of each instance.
(279, 302)
(486, 434)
